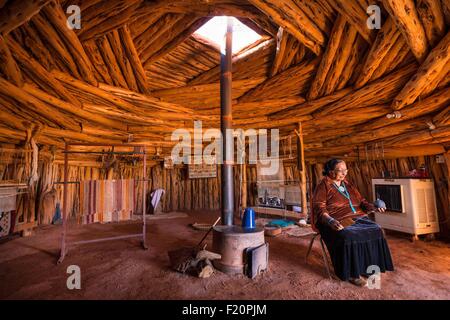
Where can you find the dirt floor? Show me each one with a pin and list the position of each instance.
(123, 270)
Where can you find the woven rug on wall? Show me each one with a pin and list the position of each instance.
(5, 223)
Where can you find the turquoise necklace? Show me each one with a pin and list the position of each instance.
(343, 190)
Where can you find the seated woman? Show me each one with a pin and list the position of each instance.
(353, 240)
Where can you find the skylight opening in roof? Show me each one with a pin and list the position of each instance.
(215, 29)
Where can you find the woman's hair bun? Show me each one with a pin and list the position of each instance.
(330, 165)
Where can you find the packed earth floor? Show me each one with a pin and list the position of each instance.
(123, 270)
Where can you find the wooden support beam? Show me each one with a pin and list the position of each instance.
(56, 16)
(261, 30)
(295, 53)
(443, 117)
(133, 57)
(176, 29)
(34, 44)
(328, 58)
(381, 133)
(111, 62)
(432, 68)
(399, 54)
(447, 162)
(70, 108)
(308, 107)
(174, 42)
(70, 135)
(430, 13)
(147, 101)
(378, 92)
(17, 12)
(353, 63)
(38, 73)
(263, 107)
(136, 111)
(93, 52)
(386, 39)
(122, 60)
(355, 14)
(405, 16)
(446, 11)
(341, 60)
(8, 66)
(249, 64)
(155, 33)
(292, 81)
(282, 37)
(206, 95)
(115, 13)
(29, 102)
(429, 105)
(53, 38)
(302, 168)
(348, 118)
(287, 15)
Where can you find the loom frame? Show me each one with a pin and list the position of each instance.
(67, 151)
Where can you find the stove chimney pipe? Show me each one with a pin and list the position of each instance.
(226, 119)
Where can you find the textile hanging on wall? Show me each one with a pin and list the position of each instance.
(5, 223)
(8, 199)
(106, 200)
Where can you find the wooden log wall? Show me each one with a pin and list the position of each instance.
(184, 194)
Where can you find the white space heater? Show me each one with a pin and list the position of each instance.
(410, 203)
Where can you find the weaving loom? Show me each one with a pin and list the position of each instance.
(106, 200)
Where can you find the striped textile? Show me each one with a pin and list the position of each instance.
(106, 200)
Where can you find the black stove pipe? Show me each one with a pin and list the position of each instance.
(226, 119)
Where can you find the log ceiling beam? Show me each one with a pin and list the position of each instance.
(435, 102)
(354, 12)
(404, 14)
(385, 41)
(8, 66)
(39, 74)
(176, 40)
(28, 101)
(433, 20)
(17, 12)
(309, 106)
(133, 58)
(339, 60)
(52, 37)
(56, 16)
(115, 13)
(287, 15)
(292, 81)
(381, 91)
(436, 66)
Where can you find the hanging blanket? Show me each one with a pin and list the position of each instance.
(106, 200)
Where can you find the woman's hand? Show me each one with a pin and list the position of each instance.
(335, 225)
(381, 209)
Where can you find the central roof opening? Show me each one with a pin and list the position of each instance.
(215, 29)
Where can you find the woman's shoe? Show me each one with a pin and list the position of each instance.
(360, 282)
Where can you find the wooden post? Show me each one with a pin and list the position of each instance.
(301, 168)
(144, 198)
(64, 211)
(447, 161)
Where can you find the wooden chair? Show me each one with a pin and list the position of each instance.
(316, 235)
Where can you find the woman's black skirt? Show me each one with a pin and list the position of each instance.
(357, 247)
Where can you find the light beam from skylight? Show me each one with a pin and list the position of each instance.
(215, 29)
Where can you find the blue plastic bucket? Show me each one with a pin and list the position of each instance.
(248, 220)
